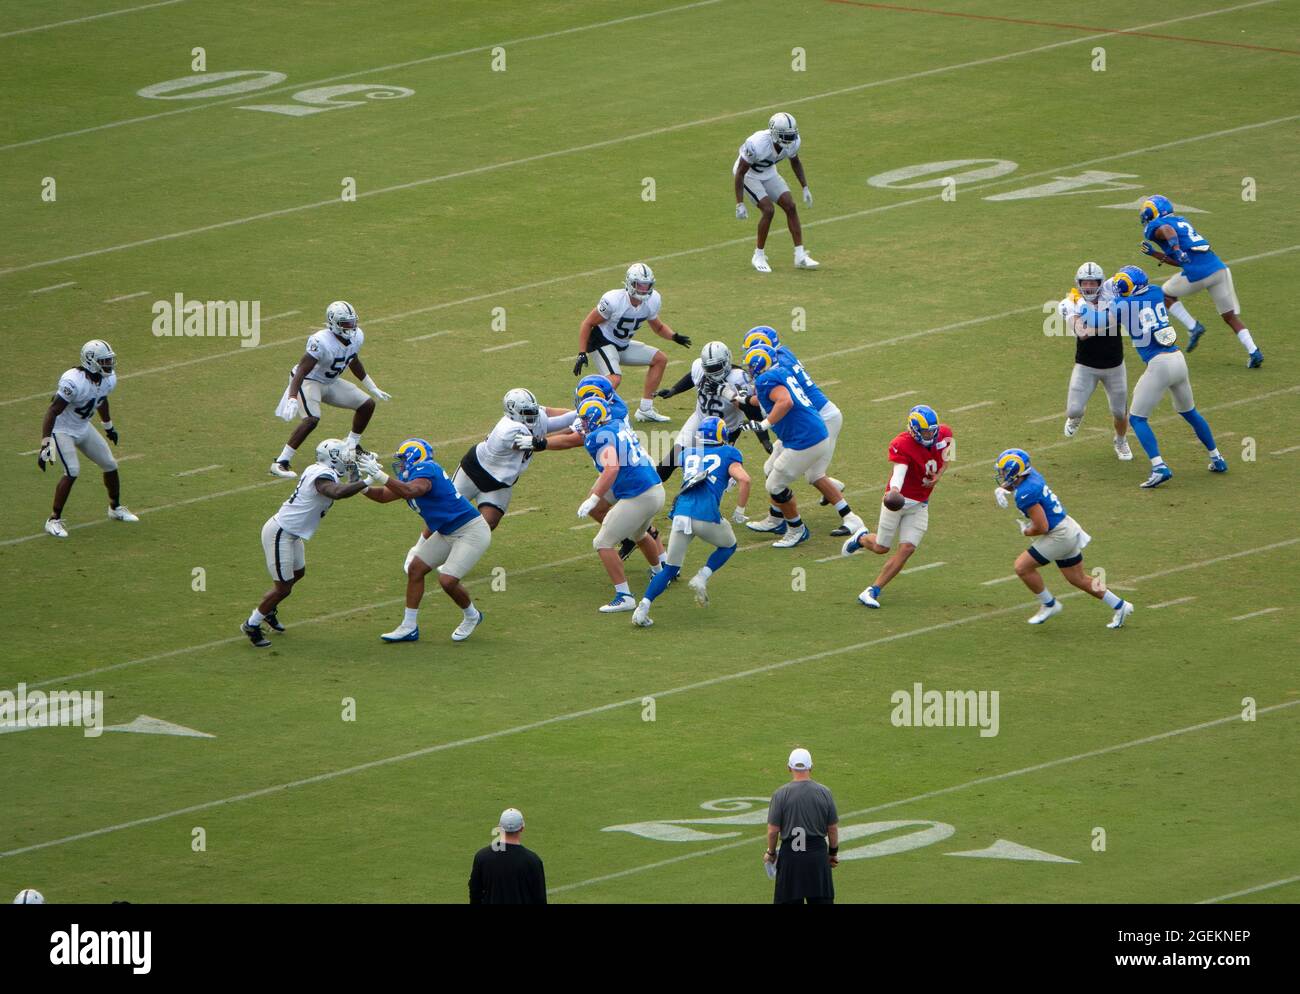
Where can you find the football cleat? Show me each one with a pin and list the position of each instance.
(272, 621)
(768, 524)
(402, 633)
(1159, 475)
(651, 414)
(120, 513)
(1194, 336)
(1218, 465)
(1072, 426)
(1047, 611)
(759, 262)
(1122, 452)
(1121, 615)
(792, 538)
(853, 545)
(255, 635)
(870, 597)
(56, 527)
(641, 616)
(466, 628)
(620, 603)
(700, 585)
(839, 532)
(282, 470)
(1256, 360)
(806, 261)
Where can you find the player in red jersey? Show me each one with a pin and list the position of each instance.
(920, 455)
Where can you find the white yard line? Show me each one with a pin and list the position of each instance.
(971, 407)
(441, 56)
(421, 338)
(201, 469)
(128, 296)
(89, 17)
(585, 524)
(1176, 600)
(508, 345)
(522, 510)
(917, 569)
(284, 314)
(1255, 614)
(614, 705)
(942, 791)
(1251, 890)
(1282, 452)
(893, 396)
(56, 286)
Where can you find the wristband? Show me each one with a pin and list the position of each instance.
(834, 850)
(765, 424)
(771, 852)
(369, 383)
(108, 426)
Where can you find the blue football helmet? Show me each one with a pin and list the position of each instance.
(761, 335)
(1129, 280)
(593, 413)
(1155, 206)
(595, 385)
(759, 359)
(1010, 466)
(410, 452)
(923, 423)
(713, 431)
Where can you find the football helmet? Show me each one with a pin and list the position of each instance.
(1010, 466)
(640, 281)
(341, 319)
(1155, 206)
(923, 424)
(713, 431)
(715, 357)
(759, 359)
(334, 453)
(1128, 281)
(594, 385)
(762, 335)
(520, 405)
(592, 413)
(29, 896)
(97, 357)
(783, 129)
(408, 454)
(1089, 271)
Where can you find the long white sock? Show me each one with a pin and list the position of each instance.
(799, 252)
(705, 572)
(471, 612)
(647, 403)
(256, 618)
(1179, 310)
(1045, 597)
(411, 617)
(354, 438)
(623, 588)
(1247, 342)
(286, 454)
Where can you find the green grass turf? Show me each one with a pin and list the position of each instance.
(904, 277)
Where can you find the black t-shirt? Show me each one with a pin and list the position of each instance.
(510, 875)
(1104, 350)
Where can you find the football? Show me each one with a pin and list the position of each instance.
(893, 500)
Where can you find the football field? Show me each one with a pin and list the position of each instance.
(472, 178)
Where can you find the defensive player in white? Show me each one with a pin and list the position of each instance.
(317, 380)
(605, 337)
(67, 427)
(489, 471)
(1098, 360)
(295, 523)
(754, 172)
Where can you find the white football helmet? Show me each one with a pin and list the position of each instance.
(716, 359)
(520, 405)
(783, 129)
(29, 896)
(640, 281)
(97, 357)
(334, 453)
(1089, 271)
(341, 318)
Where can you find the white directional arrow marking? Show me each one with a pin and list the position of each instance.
(156, 726)
(1002, 849)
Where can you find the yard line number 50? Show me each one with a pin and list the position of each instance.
(315, 100)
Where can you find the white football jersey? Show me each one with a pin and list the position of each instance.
(713, 398)
(622, 317)
(762, 154)
(83, 396)
(300, 515)
(331, 354)
(497, 453)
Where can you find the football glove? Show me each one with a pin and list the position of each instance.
(46, 454)
(372, 472)
(738, 516)
(682, 340)
(380, 394)
(577, 366)
(807, 196)
(111, 432)
(291, 409)
(1022, 524)
(741, 212)
(588, 505)
(1000, 496)
(663, 394)
(1149, 249)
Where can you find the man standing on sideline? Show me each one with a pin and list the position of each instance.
(803, 816)
(505, 872)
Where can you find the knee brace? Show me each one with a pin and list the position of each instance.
(784, 497)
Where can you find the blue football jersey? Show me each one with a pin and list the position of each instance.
(703, 501)
(1033, 489)
(785, 357)
(802, 427)
(636, 472)
(1143, 316)
(442, 508)
(1203, 261)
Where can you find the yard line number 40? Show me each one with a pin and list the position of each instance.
(316, 100)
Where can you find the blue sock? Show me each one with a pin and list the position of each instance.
(1202, 427)
(661, 580)
(1146, 436)
(719, 558)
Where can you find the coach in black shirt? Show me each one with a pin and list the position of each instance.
(505, 872)
(802, 815)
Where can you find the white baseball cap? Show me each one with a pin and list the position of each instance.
(800, 759)
(512, 820)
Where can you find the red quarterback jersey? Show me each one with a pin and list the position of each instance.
(923, 465)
